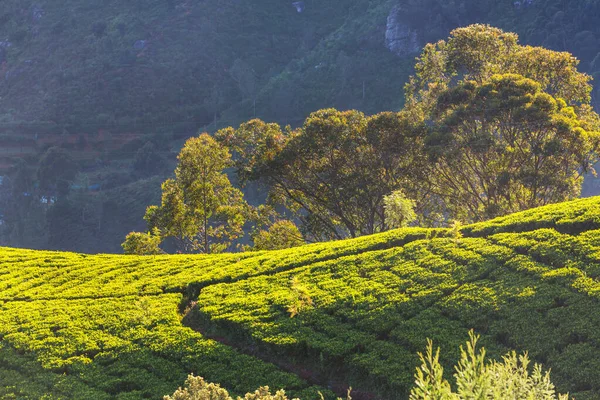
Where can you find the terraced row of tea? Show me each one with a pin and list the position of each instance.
(309, 319)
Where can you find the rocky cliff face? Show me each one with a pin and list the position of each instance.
(400, 39)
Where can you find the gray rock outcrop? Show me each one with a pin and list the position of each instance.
(400, 39)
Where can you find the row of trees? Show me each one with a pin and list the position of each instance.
(201, 211)
(489, 127)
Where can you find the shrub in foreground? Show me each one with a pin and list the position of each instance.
(196, 388)
(478, 379)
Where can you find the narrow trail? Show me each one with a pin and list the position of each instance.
(335, 383)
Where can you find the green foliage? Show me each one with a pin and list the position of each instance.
(476, 378)
(335, 170)
(102, 326)
(142, 243)
(255, 145)
(510, 126)
(197, 389)
(493, 157)
(399, 210)
(117, 320)
(281, 235)
(478, 52)
(573, 217)
(200, 208)
(491, 127)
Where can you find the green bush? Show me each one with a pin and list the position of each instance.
(142, 244)
(196, 388)
(477, 378)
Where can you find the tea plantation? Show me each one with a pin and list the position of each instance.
(317, 318)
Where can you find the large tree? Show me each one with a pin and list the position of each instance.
(335, 170)
(200, 208)
(509, 126)
(479, 51)
(504, 145)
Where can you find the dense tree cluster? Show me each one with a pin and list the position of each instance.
(490, 127)
(334, 171)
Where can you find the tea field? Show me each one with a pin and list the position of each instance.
(317, 318)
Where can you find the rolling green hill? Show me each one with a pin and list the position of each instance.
(315, 318)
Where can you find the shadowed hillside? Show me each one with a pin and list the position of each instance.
(173, 65)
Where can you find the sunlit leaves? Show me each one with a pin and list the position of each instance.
(200, 208)
(503, 145)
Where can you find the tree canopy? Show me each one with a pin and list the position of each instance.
(334, 171)
(509, 127)
(477, 52)
(200, 208)
(490, 127)
(504, 145)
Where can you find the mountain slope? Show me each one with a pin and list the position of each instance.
(147, 65)
(171, 65)
(315, 318)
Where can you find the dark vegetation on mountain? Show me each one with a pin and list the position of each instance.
(106, 79)
(185, 60)
(313, 318)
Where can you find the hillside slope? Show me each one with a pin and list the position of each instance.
(170, 66)
(316, 318)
